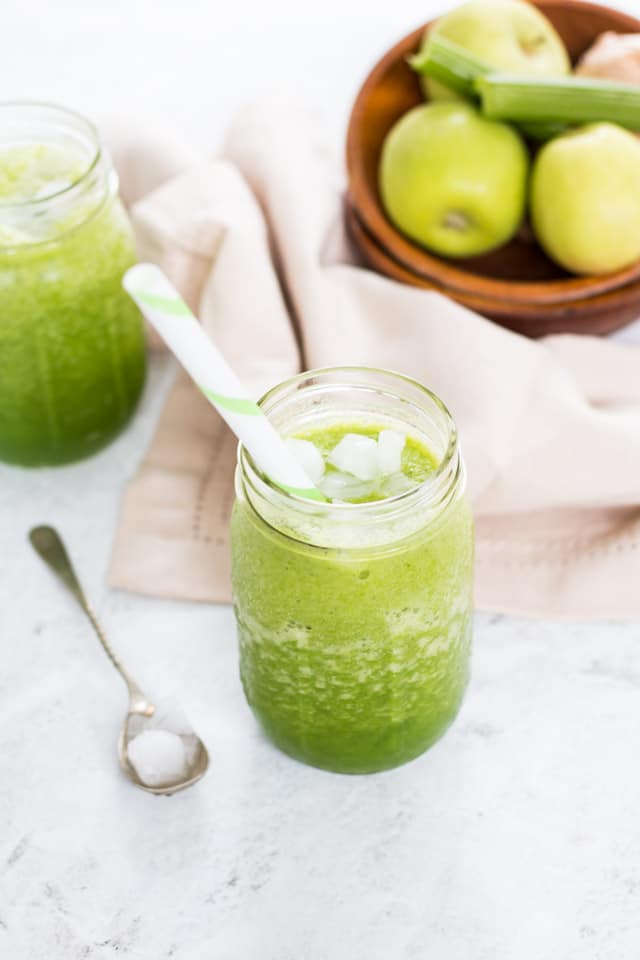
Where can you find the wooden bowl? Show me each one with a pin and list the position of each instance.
(597, 315)
(519, 272)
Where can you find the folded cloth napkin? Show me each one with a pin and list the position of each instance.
(550, 429)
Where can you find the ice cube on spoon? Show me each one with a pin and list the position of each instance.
(158, 756)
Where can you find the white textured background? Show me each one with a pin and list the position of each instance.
(516, 838)
(190, 63)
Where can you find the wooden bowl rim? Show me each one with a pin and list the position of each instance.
(418, 260)
(519, 315)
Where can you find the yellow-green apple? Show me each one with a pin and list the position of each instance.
(585, 199)
(452, 180)
(511, 35)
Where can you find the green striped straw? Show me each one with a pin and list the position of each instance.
(168, 313)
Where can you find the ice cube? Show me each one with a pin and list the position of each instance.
(158, 757)
(356, 454)
(308, 456)
(390, 446)
(344, 487)
(395, 484)
(170, 716)
(51, 187)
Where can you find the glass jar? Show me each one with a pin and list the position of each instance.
(355, 620)
(72, 357)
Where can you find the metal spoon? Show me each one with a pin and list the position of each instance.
(48, 544)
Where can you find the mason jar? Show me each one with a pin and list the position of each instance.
(354, 619)
(72, 357)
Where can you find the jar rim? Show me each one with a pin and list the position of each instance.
(74, 119)
(433, 488)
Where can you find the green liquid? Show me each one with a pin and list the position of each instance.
(355, 660)
(72, 360)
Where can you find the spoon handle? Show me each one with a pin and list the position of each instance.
(48, 544)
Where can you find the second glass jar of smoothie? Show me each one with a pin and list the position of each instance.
(355, 616)
(72, 357)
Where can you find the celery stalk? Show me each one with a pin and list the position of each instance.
(450, 64)
(572, 100)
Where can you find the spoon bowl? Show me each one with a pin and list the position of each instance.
(197, 768)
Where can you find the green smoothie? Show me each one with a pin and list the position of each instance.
(356, 658)
(71, 342)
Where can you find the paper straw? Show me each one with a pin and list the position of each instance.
(168, 313)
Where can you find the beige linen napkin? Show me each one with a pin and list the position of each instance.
(550, 429)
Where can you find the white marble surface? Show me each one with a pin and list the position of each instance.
(516, 838)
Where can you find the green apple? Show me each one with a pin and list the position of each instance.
(452, 180)
(511, 35)
(585, 199)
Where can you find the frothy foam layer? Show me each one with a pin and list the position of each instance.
(36, 171)
(30, 175)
